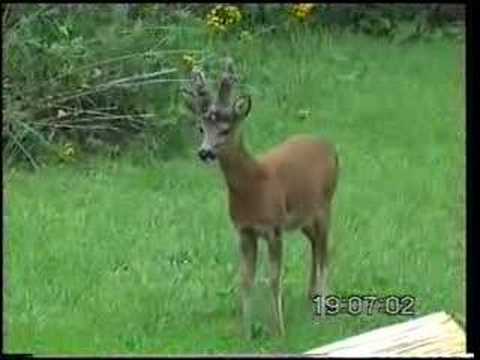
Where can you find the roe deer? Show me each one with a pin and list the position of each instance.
(290, 187)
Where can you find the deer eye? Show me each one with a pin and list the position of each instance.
(200, 129)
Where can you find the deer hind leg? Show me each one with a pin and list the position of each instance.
(317, 234)
(248, 263)
(275, 260)
(309, 232)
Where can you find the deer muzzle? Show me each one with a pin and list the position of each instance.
(207, 155)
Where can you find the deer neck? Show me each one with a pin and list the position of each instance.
(238, 166)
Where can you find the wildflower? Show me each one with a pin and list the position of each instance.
(221, 18)
(190, 62)
(302, 11)
(68, 151)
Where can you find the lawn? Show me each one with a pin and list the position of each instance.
(117, 256)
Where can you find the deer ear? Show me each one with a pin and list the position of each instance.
(242, 106)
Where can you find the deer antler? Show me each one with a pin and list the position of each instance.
(197, 96)
(226, 83)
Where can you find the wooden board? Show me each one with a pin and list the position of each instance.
(436, 334)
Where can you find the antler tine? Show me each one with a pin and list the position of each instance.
(198, 96)
(226, 83)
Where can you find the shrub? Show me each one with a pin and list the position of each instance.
(91, 81)
(91, 78)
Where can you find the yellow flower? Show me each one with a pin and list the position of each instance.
(68, 152)
(190, 62)
(302, 11)
(221, 18)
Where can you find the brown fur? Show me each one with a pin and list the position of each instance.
(274, 190)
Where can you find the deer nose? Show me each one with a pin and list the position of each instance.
(206, 155)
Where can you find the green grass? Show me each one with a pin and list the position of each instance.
(116, 257)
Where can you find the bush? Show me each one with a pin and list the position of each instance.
(93, 81)
(82, 78)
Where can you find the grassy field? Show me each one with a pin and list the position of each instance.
(112, 256)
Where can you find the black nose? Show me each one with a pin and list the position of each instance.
(205, 155)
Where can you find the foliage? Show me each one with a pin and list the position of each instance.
(222, 18)
(302, 12)
(95, 93)
(104, 77)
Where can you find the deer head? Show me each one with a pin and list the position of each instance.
(218, 118)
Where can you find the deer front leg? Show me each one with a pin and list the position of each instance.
(275, 260)
(248, 263)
